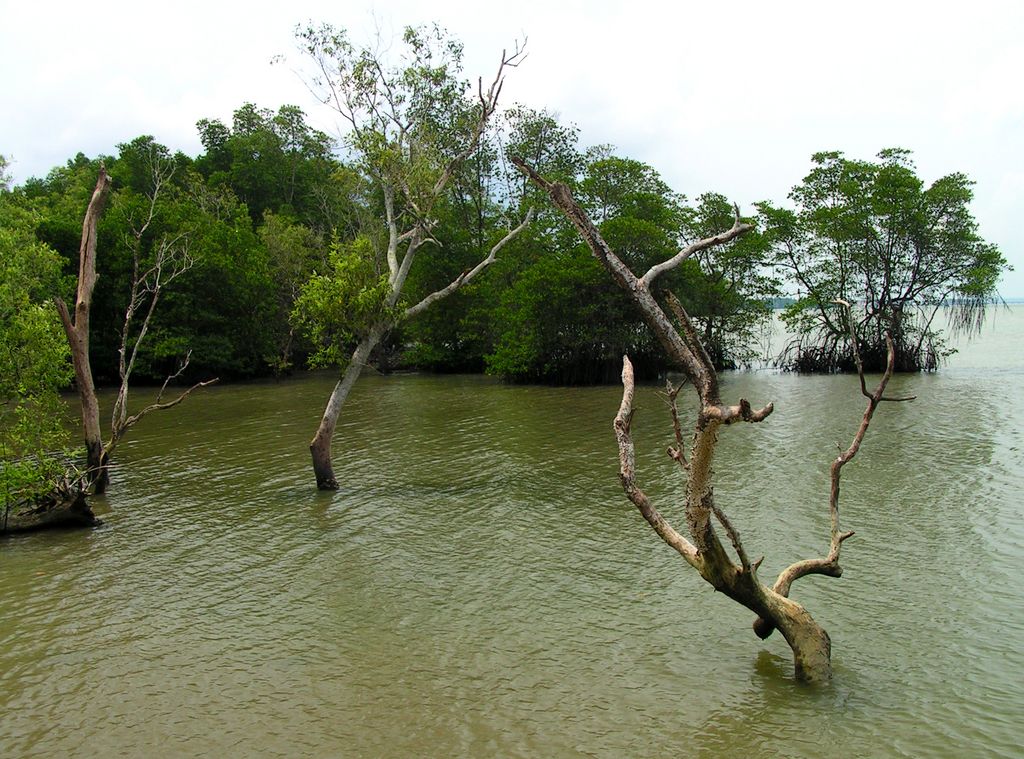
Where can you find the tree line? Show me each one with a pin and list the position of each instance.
(276, 221)
(280, 247)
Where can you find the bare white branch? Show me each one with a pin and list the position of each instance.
(738, 228)
(467, 276)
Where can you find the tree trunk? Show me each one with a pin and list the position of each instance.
(98, 463)
(77, 332)
(320, 445)
(811, 645)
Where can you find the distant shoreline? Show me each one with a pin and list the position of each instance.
(780, 303)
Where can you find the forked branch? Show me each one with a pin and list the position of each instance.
(829, 564)
(676, 452)
(739, 227)
(856, 354)
(627, 473)
(470, 274)
(122, 424)
(488, 105)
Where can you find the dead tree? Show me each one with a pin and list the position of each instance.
(77, 331)
(171, 258)
(701, 546)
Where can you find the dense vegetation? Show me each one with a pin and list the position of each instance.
(872, 235)
(34, 358)
(269, 211)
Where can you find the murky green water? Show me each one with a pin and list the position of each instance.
(481, 587)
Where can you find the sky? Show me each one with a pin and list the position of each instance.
(727, 97)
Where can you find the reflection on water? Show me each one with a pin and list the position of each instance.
(479, 586)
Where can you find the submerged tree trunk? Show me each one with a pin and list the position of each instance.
(320, 445)
(396, 112)
(65, 506)
(703, 549)
(77, 332)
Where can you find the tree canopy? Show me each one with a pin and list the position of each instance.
(272, 206)
(34, 359)
(873, 235)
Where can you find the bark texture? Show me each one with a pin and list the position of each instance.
(701, 546)
(77, 331)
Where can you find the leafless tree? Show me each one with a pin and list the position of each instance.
(734, 575)
(171, 258)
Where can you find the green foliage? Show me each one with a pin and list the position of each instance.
(560, 322)
(293, 253)
(266, 289)
(410, 119)
(562, 319)
(274, 162)
(730, 288)
(547, 312)
(222, 307)
(337, 309)
(872, 234)
(34, 358)
(232, 308)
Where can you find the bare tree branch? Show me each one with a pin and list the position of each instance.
(734, 538)
(172, 258)
(652, 313)
(738, 228)
(467, 276)
(829, 565)
(676, 452)
(627, 473)
(857, 359)
(488, 104)
(158, 406)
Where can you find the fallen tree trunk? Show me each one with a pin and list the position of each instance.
(64, 506)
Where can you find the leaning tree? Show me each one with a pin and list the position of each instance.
(412, 126)
(733, 574)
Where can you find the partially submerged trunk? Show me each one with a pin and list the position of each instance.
(384, 111)
(65, 506)
(701, 547)
(320, 445)
(77, 331)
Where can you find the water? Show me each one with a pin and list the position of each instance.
(480, 586)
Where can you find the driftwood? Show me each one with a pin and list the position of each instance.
(64, 506)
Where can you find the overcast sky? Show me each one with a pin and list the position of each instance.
(726, 96)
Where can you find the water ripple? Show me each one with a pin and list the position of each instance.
(479, 586)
